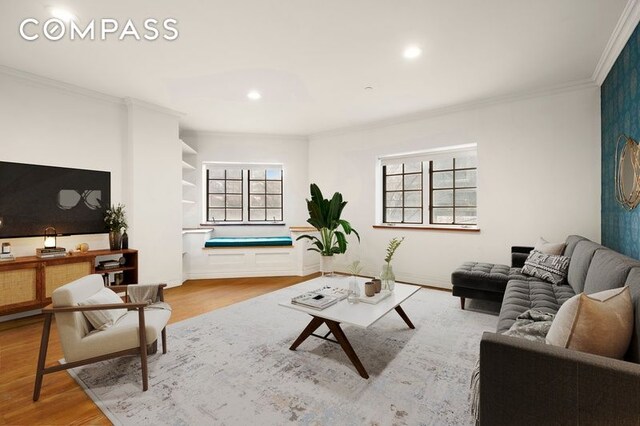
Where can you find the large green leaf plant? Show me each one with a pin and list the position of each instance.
(324, 215)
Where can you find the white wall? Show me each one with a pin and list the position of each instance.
(292, 152)
(45, 125)
(50, 123)
(539, 175)
(153, 192)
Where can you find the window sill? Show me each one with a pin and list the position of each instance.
(215, 224)
(451, 228)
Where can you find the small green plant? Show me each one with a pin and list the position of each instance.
(355, 267)
(392, 247)
(115, 218)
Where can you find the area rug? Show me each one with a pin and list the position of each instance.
(232, 366)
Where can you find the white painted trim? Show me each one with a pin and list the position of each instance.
(194, 132)
(153, 107)
(77, 90)
(514, 97)
(48, 82)
(624, 28)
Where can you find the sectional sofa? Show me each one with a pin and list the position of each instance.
(530, 383)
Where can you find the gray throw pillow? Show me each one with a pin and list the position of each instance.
(547, 267)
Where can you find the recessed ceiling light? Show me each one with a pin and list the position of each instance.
(254, 95)
(368, 88)
(412, 52)
(62, 14)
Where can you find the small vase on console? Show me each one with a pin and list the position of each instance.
(115, 240)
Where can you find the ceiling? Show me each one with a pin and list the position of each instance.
(311, 60)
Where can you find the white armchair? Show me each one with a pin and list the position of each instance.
(82, 344)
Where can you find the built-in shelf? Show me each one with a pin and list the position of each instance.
(187, 166)
(186, 149)
(188, 202)
(187, 183)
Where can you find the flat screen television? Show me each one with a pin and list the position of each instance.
(33, 197)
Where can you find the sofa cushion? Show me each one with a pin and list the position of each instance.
(608, 269)
(572, 241)
(548, 267)
(633, 282)
(599, 324)
(484, 276)
(521, 295)
(579, 265)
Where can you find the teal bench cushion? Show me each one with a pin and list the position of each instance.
(249, 242)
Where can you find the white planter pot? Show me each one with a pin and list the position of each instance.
(326, 265)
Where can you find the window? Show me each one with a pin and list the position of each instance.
(265, 195)
(452, 191)
(224, 198)
(444, 180)
(402, 193)
(243, 193)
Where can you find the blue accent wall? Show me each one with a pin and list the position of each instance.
(620, 109)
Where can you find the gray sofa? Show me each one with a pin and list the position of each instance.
(529, 383)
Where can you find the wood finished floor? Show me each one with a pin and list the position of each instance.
(62, 400)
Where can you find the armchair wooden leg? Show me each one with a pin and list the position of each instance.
(42, 358)
(164, 340)
(143, 349)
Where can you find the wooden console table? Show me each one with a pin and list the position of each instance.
(27, 283)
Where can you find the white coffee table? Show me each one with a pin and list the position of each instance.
(360, 315)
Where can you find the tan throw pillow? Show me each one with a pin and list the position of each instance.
(101, 320)
(600, 323)
(544, 246)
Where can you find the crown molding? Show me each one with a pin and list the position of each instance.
(153, 107)
(496, 100)
(55, 84)
(194, 132)
(624, 28)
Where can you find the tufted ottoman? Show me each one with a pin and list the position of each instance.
(486, 281)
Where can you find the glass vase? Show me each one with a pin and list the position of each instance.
(354, 290)
(326, 266)
(387, 277)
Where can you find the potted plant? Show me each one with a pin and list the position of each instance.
(324, 215)
(387, 276)
(115, 221)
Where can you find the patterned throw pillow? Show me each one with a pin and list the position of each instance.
(547, 267)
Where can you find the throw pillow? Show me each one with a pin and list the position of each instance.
(544, 246)
(546, 267)
(101, 320)
(601, 323)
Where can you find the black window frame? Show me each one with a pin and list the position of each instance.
(453, 207)
(211, 218)
(265, 193)
(403, 191)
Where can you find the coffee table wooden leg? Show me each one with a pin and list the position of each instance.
(346, 346)
(310, 328)
(404, 316)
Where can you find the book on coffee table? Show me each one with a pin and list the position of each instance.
(314, 300)
(340, 293)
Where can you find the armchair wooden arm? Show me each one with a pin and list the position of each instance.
(124, 288)
(50, 309)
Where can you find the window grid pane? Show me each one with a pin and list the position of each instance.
(265, 195)
(224, 195)
(402, 193)
(452, 192)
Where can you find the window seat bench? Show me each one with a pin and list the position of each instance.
(230, 242)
